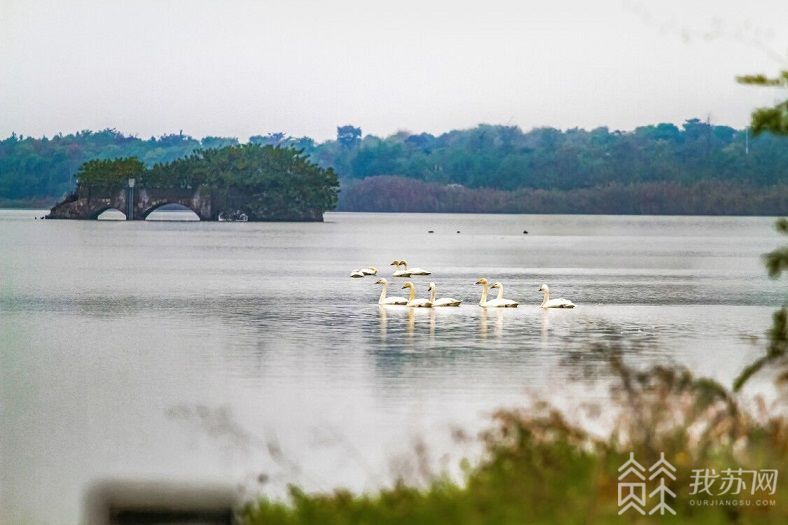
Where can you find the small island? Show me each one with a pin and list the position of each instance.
(256, 182)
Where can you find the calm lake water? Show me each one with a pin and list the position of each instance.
(217, 352)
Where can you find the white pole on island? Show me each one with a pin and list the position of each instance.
(130, 214)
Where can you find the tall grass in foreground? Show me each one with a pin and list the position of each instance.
(538, 467)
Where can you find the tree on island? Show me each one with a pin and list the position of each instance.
(110, 174)
(265, 182)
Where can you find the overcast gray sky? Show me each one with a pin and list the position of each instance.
(238, 68)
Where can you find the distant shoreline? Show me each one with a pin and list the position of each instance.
(705, 197)
(393, 194)
(767, 216)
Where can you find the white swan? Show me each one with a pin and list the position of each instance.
(389, 300)
(499, 302)
(444, 301)
(412, 301)
(413, 271)
(484, 282)
(397, 272)
(362, 272)
(554, 303)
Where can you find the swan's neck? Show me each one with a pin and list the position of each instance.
(500, 292)
(412, 294)
(383, 294)
(432, 295)
(546, 297)
(483, 300)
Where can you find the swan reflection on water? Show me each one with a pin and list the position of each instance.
(410, 317)
(494, 317)
(459, 323)
(410, 321)
(401, 315)
(545, 334)
(410, 327)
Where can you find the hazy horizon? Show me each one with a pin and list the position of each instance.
(243, 68)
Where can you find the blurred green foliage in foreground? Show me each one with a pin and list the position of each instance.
(541, 468)
(772, 119)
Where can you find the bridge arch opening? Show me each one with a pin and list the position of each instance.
(171, 211)
(110, 214)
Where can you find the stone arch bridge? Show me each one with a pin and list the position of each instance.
(87, 203)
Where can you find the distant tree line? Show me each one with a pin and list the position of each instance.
(44, 167)
(696, 163)
(506, 158)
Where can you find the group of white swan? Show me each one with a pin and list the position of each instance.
(412, 300)
(363, 272)
(401, 270)
(498, 302)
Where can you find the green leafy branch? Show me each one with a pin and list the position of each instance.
(773, 119)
